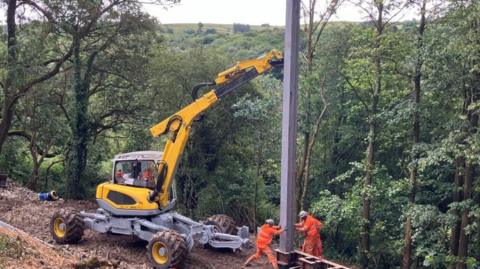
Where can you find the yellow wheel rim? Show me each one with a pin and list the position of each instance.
(160, 253)
(59, 227)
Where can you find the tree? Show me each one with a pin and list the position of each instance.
(39, 122)
(455, 67)
(241, 28)
(21, 71)
(380, 14)
(313, 30)
(199, 27)
(99, 33)
(471, 90)
(417, 80)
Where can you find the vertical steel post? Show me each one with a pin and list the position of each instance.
(289, 125)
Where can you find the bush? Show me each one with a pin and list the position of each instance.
(241, 28)
(189, 31)
(210, 31)
(207, 40)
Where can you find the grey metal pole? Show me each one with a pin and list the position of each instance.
(289, 125)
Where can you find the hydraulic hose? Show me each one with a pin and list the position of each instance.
(196, 88)
(195, 95)
(160, 178)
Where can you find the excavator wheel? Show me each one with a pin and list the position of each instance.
(222, 224)
(167, 249)
(66, 226)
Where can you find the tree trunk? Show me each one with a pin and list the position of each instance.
(36, 164)
(47, 173)
(417, 80)
(77, 157)
(365, 243)
(314, 31)
(469, 175)
(407, 251)
(477, 202)
(258, 149)
(372, 134)
(301, 170)
(467, 195)
(335, 153)
(309, 151)
(302, 178)
(457, 197)
(6, 121)
(9, 98)
(35, 176)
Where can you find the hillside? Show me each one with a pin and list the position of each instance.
(235, 41)
(35, 248)
(20, 250)
(387, 129)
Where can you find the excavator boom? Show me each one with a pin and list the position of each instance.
(178, 126)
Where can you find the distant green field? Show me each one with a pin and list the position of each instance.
(243, 44)
(228, 28)
(220, 28)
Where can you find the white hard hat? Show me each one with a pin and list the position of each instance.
(302, 214)
(269, 221)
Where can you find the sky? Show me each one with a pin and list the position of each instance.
(254, 12)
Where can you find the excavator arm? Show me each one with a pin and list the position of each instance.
(178, 126)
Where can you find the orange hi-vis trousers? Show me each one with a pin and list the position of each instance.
(313, 246)
(267, 251)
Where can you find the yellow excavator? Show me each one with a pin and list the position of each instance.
(139, 199)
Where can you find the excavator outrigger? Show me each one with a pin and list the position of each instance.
(140, 197)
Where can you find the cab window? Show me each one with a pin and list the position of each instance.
(135, 173)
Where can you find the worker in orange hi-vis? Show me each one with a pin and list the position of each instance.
(264, 238)
(311, 227)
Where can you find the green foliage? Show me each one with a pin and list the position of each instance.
(232, 161)
(241, 28)
(15, 161)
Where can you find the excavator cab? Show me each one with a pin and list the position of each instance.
(138, 169)
(138, 173)
(134, 175)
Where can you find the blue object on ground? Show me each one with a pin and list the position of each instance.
(48, 196)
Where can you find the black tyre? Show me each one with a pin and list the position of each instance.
(222, 224)
(167, 249)
(66, 226)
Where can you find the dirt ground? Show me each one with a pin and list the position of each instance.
(20, 250)
(22, 209)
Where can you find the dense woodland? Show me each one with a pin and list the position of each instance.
(388, 142)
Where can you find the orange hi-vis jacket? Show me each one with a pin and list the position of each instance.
(266, 234)
(312, 243)
(312, 226)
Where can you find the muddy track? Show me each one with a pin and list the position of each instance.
(21, 208)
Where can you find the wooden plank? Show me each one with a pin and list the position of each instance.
(323, 262)
(301, 260)
(308, 261)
